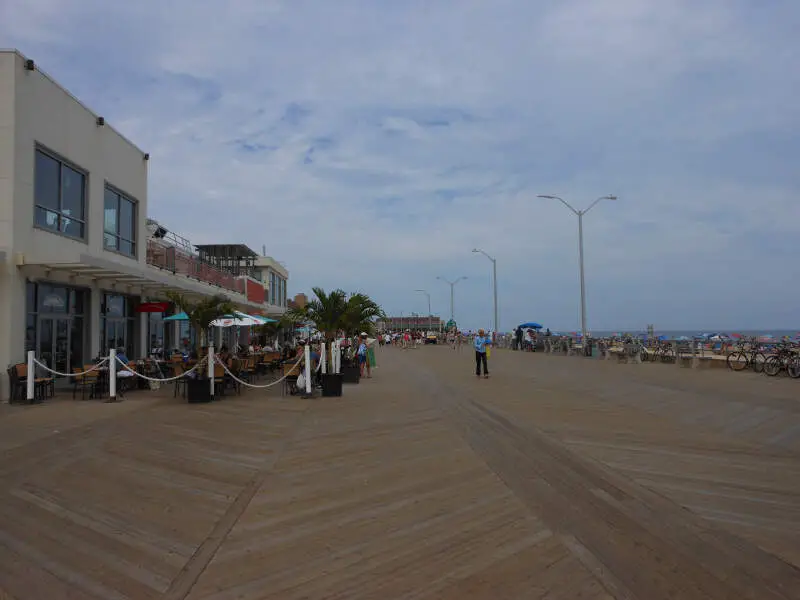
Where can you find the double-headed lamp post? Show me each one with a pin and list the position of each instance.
(430, 316)
(452, 285)
(580, 214)
(494, 282)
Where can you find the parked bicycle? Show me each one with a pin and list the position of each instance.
(748, 354)
(785, 358)
(664, 352)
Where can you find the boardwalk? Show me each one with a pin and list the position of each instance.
(559, 478)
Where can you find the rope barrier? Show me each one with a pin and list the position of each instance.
(252, 385)
(159, 379)
(54, 372)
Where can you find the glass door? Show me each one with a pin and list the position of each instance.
(54, 346)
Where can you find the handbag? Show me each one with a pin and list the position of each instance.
(488, 351)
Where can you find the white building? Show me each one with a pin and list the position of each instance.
(77, 259)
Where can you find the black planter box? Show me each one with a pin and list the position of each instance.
(198, 390)
(350, 374)
(331, 384)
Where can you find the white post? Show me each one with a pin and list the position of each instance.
(323, 356)
(307, 358)
(30, 382)
(211, 369)
(112, 374)
(335, 356)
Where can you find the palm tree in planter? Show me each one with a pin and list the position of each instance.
(201, 314)
(325, 311)
(361, 314)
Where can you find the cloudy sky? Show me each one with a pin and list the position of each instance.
(371, 144)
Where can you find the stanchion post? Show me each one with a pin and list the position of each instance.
(112, 375)
(307, 358)
(30, 381)
(211, 370)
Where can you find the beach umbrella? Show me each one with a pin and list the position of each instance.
(181, 316)
(530, 325)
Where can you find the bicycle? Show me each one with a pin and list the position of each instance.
(663, 352)
(747, 354)
(785, 358)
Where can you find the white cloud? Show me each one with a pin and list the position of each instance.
(371, 145)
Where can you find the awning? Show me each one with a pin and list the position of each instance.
(153, 281)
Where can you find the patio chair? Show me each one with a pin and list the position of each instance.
(42, 386)
(86, 381)
(180, 383)
(219, 379)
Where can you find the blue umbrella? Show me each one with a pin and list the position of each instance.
(182, 316)
(531, 325)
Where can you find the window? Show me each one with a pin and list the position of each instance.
(119, 223)
(60, 196)
(117, 323)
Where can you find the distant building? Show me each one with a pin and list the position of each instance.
(414, 322)
(299, 301)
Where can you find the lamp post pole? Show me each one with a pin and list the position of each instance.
(494, 283)
(579, 214)
(452, 285)
(430, 315)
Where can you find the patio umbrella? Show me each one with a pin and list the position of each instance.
(181, 316)
(153, 307)
(261, 319)
(236, 320)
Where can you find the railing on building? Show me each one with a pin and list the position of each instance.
(166, 255)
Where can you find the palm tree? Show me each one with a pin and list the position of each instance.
(335, 311)
(361, 314)
(325, 311)
(202, 312)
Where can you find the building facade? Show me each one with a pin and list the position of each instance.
(78, 257)
(414, 323)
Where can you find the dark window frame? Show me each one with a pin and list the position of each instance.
(118, 237)
(59, 228)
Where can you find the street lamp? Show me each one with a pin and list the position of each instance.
(430, 316)
(452, 294)
(580, 214)
(494, 281)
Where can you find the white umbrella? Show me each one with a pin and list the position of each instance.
(236, 320)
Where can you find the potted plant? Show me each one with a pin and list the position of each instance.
(335, 312)
(200, 314)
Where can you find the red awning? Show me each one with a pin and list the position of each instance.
(153, 307)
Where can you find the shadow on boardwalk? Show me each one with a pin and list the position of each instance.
(557, 478)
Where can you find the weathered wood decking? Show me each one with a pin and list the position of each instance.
(557, 478)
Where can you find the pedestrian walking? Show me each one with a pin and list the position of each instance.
(363, 363)
(481, 343)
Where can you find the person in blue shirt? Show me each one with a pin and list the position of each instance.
(122, 357)
(480, 343)
(362, 356)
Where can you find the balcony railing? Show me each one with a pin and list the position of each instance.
(180, 262)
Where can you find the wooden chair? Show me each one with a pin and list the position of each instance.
(85, 381)
(177, 369)
(219, 379)
(16, 386)
(290, 372)
(42, 386)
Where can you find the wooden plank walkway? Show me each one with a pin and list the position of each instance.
(557, 478)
